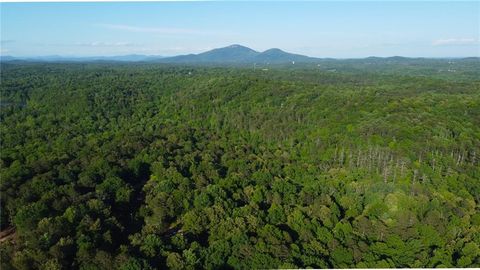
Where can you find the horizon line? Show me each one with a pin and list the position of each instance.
(170, 56)
(232, 45)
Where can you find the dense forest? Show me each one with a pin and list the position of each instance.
(343, 164)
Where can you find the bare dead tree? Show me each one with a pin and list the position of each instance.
(370, 157)
(358, 158)
(395, 171)
(402, 169)
(385, 175)
(415, 172)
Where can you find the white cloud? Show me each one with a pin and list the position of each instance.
(455, 41)
(7, 41)
(158, 49)
(158, 30)
(107, 44)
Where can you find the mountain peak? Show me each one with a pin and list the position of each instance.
(236, 47)
(274, 50)
(233, 46)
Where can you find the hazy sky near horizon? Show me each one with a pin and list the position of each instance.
(321, 29)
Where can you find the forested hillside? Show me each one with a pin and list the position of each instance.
(344, 164)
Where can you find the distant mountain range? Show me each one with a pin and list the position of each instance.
(233, 54)
(239, 54)
(58, 58)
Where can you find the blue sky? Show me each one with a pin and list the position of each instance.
(321, 29)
